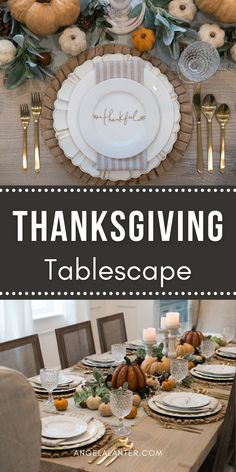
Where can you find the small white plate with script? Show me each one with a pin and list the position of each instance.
(118, 117)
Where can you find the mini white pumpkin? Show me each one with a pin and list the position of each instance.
(212, 34)
(183, 9)
(93, 402)
(7, 51)
(233, 52)
(73, 41)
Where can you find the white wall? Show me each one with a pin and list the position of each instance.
(139, 314)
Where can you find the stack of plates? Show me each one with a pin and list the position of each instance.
(66, 387)
(136, 344)
(184, 405)
(99, 360)
(214, 372)
(69, 432)
(227, 352)
(83, 132)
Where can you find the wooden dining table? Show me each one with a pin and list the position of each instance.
(155, 448)
(182, 173)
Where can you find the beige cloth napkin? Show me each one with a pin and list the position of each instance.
(131, 69)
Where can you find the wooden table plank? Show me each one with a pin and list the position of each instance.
(182, 173)
(179, 451)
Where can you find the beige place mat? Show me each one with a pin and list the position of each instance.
(78, 450)
(209, 419)
(186, 123)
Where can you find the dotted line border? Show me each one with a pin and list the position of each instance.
(69, 190)
(116, 293)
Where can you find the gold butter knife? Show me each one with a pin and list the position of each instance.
(197, 109)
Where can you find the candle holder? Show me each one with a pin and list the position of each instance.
(165, 332)
(148, 346)
(172, 337)
(118, 16)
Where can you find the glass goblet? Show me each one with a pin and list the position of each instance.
(49, 380)
(121, 402)
(118, 352)
(199, 61)
(179, 370)
(228, 333)
(208, 348)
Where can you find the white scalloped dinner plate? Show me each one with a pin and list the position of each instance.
(177, 414)
(83, 155)
(115, 117)
(96, 429)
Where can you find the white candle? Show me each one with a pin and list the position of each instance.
(163, 322)
(172, 320)
(149, 334)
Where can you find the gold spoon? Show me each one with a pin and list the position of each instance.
(222, 115)
(121, 442)
(129, 446)
(208, 110)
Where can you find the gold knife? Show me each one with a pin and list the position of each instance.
(197, 109)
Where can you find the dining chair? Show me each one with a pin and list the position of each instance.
(20, 424)
(222, 458)
(23, 354)
(74, 343)
(111, 330)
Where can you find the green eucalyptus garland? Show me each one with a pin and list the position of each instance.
(26, 64)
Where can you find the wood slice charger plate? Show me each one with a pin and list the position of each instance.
(186, 123)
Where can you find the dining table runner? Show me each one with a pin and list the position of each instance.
(132, 69)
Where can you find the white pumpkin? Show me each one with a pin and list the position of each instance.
(73, 41)
(7, 51)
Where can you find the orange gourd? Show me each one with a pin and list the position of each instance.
(44, 17)
(156, 365)
(130, 373)
(143, 39)
(61, 404)
(223, 10)
(184, 348)
(193, 337)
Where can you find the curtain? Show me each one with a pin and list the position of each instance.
(16, 319)
(76, 311)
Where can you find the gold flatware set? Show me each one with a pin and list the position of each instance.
(111, 453)
(36, 109)
(209, 108)
(180, 427)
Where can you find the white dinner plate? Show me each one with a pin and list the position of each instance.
(100, 431)
(83, 155)
(225, 355)
(217, 370)
(186, 400)
(62, 427)
(176, 414)
(117, 117)
(212, 403)
(63, 379)
(199, 375)
(228, 350)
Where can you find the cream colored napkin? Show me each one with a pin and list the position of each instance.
(130, 69)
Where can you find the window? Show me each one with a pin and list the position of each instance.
(161, 307)
(47, 308)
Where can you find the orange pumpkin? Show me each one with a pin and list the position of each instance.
(130, 373)
(156, 365)
(61, 404)
(168, 385)
(44, 17)
(193, 337)
(184, 348)
(143, 39)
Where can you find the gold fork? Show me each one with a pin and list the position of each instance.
(36, 107)
(25, 120)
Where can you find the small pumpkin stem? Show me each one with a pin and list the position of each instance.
(128, 361)
(181, 342)
(159, 358)
(43, 1)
